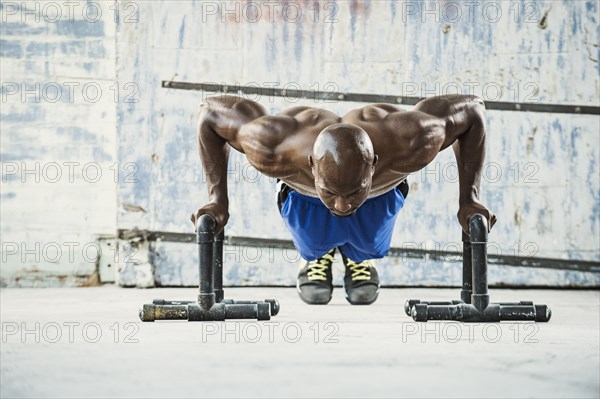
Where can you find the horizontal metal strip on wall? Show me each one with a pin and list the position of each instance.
(373, 98)
(413, 253)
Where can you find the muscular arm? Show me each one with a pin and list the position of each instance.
(214, 155)
(220, 120)
(465, 131)
(469, 150)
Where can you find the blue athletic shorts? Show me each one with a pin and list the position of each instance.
(365, 235)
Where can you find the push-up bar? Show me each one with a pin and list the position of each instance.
(474, 304)
(210, 305)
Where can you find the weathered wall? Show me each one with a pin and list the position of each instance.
(58, 140)
(542, 176)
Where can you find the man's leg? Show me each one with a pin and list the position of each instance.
(314, 282)
(361, 281)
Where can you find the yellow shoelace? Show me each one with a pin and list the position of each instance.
(317, 269)
(360, 271)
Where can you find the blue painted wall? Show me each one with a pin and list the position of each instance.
(58, 145)
(542, 176)
(542, 173)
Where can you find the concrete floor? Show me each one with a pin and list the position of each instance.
(88, 342)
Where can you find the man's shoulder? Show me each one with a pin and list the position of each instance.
(231, 101)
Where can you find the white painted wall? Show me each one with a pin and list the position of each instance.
(58, 140)
(543, 175)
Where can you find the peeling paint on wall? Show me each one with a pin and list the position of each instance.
(540, 179)
(56, 137)
(542, 171)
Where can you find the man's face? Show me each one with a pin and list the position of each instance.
(343, 191)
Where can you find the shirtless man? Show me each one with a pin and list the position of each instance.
(342, 179)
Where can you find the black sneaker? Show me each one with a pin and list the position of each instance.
(361, 282)
(315, 280)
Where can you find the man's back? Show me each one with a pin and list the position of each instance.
(279, 145)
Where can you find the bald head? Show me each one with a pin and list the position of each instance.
(342, 143)
(343, 163)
